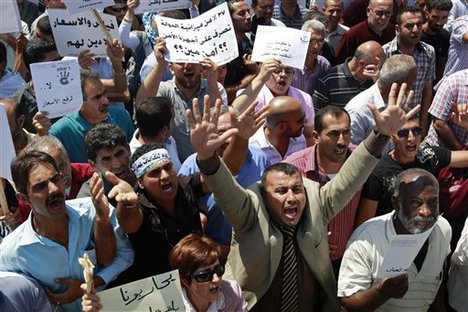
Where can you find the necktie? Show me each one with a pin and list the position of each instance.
(289, 289)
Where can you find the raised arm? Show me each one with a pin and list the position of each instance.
(150, 85)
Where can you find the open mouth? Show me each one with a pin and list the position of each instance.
(290, 212)
(411, 147)
(56, 202)
(166, 186)
(340, 150)
(104, 109)
(214, 289)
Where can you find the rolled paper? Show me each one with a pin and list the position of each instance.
(88, 267)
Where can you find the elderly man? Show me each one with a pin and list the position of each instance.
(275, 80)
(416, 203)
(334, 10)
(408, 41)
(458, 275)
(376, 28)
(277, 221)
(58, 233)
(399, 69)
(338, 85)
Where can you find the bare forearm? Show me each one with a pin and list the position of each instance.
(105, 240)
(235, 154)
(130, 218)
(150, 85)
(425, 104)
(446, 134)
(120, 77)
(249, 94)
(364, 300)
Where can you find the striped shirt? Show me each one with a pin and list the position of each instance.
(294, 22)
(458, 51)
(305, 79)
(337, 86)
(454, 88)
(424, 56)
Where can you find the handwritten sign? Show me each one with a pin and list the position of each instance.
(76, 6)
(162, 5)
(6, 142)
(78, 32)
(57, 86)
(401, 253)
(10, 20)
(208, 35)
(288, 45)
(159, 293)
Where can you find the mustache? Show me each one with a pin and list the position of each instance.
(54, 196)
(424, 219)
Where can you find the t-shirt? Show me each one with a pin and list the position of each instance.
(379, 184)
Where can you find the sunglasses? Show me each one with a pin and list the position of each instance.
(403, 133)
(117, 10)
(207, 275)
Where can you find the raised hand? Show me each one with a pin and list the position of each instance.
(115, 51)
(122, 191)
(249, 122)
(267, 68)
(42, 123)
(460, 115)
(391, 120)
(91, 302)
(394, 287)
(204, 129)
(98, 197)
(86, 59)
(372, 71)
(210, 68)
(160, 50)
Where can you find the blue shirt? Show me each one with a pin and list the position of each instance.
(251, 171)
(26, 252)
(71, 130)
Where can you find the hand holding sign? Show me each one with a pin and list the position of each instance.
(88, 267)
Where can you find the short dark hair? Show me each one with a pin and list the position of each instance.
(192, 252)
(3, 53)
(43, 24)
(22, 166)
(285, 168)
(230, 4)
(442, 5)
(145, 148)
(88, 76)
(333, 110)
(316, 16)
(152, 115)
(407, 9)
(35, 51)
(103, 136)
(176, 14)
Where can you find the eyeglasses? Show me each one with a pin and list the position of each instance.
(382, 13)
(287, 71)
(117, 10)
(403, 133)
(314, 42)
(207, 275)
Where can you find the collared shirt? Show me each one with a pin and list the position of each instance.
(295, 22)
(458, 276)
(334, 37)
(342, 225)
(259, 140)
(359, 34)
(454, 88)
(181, 130)
(424, 56)
(71, 130)
(362, 119)
(24, 251)
(251, 171)
(305, 80)
(265, 96)
(365, 254)
(458, 50)
(459, 9)
(337, 86)
(170, 145)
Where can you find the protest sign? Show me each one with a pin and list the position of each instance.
(157, 293)
(77, 6)
(162, 5)
(6, 142)
(10, 20)
(286, 44)
(208, 35)
(57, 86)
(401, 253)
(81, 31)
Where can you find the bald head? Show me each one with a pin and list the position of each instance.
(369, 50)
(283, 109)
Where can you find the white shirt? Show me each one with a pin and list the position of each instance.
(365, 253)
(362, 119)
(259, 140)
(458, 275)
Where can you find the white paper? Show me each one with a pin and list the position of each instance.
(76, 6)
(162, 5)
(288, 45)
(402, 251)
(6, 142)
(57, 86)
(10, 20)
(208, 35)
(157, 293)
(81, 31)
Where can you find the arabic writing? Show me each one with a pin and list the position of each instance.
(80, 21)
(278, 48)
(91, 43)
(64, 101)
(142, 294)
